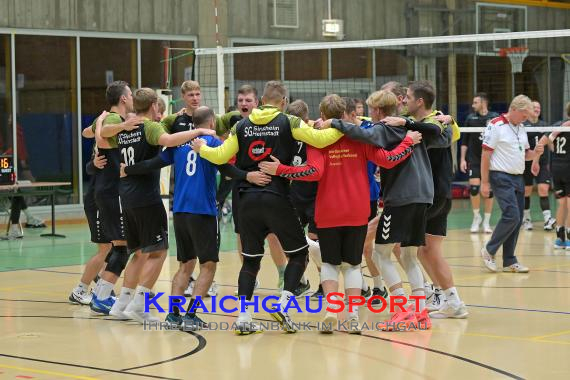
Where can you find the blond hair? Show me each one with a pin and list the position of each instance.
(161, 106)
(189, 85)
(385, 100)
(274, 91)
(332, 107)
(143, 99)
(521, 103)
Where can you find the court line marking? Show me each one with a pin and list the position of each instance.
(44, 372)
(540, 337)
(87, 367)
(201, 339)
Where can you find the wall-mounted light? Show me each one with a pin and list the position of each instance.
(333, 28)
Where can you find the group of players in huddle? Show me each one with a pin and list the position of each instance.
(288, 173)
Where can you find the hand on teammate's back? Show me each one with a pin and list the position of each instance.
(99, 161)
(270, 167)
(258, 178)
(196, 144)
(122, 171)
(416, 136)
(132, 123)
(394, 121)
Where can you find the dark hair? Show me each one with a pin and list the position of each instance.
(350, 105)
(483, 96)
(423, 89)
(247, 89)
(358, 101)
(202, 115)
(143, 99)
(298, 108)
(114, 92)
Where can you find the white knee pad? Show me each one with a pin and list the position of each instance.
(383, 254)
(409, 259)
(315, 252)
(329, 272)
(352, 276)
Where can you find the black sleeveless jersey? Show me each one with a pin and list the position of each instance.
(138, 190)
(257, 143)
(182, 123)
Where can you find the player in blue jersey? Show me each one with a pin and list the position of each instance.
(195, 213)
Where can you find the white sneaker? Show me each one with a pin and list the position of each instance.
(448, 310)
(117, 310)
(189, 289)
(15, 232)
(477, 219)
(354, 325)
(487, 229)
(328, 323)
(527, 225)
(549, 224)
(488, 260)
(136, 312)
(515, 268)
(246, 326)
(213, 291)
(436, 302)
(80, 296)
(429, 291)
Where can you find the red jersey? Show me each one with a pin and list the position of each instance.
(343, 196)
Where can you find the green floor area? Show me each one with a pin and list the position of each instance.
(34, 251)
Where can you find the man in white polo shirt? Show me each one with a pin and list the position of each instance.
(505, 150)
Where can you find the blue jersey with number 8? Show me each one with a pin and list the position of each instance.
(194, 179)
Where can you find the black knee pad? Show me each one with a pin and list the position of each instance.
(251, 264)
(474, 190)
(117, 260)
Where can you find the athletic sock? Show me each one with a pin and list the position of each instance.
(560, 233)
(125, 296)
(398, 292)
(285, 297)
(547, 215)
(476, 212)
(378, 282)
(487, 219)
(303, 279)
(105, 288)
(140, 292)
(526, 214)
(452, 296)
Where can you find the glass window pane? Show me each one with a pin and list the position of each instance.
(6, 144)
(103, 60)
(47, 106)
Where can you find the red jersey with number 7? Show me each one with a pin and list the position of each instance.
(343, 196)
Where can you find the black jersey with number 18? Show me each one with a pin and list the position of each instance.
(135, 146)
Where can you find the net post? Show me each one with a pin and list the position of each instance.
(221, 78)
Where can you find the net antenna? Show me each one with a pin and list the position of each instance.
(517, 55)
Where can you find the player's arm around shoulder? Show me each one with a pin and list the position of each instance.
(314, 137)
(219, 154)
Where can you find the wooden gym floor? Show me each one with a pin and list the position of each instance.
(518, 327)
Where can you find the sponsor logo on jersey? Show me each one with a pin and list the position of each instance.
(257, 150)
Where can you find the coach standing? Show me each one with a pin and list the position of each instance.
(505, 150)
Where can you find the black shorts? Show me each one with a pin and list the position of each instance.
(261, 213)
(403, 224)
(562, 186)
(436, 217)
(196, 236)
(111, 216)
(235, 208)
(373, 210)
(306, 214)
(342, 244)
(543, 176)
(474, 170)
(146, 228)
(97, 234)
